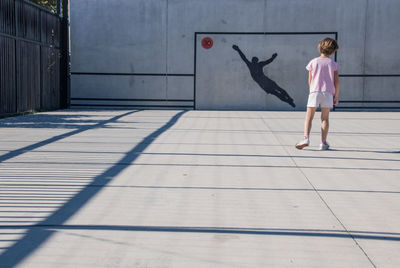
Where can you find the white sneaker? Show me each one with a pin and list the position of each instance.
(301, 144)
(324, 146)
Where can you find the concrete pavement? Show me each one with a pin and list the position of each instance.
(142, 188)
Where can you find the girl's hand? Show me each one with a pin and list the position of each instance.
(335, 101)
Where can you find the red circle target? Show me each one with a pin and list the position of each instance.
(207, 43)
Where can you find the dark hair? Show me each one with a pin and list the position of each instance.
(328, 46)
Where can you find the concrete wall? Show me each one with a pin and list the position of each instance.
(146, 53)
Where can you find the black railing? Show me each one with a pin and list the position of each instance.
(29, 58)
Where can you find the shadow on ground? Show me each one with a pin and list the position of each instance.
(35, 236)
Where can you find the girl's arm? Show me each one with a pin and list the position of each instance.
(309, 78)
(337, 85)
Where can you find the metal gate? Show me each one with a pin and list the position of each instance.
(29, 57)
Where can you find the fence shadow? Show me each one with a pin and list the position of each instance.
(41, 120)
(80, 129)
(35, 237)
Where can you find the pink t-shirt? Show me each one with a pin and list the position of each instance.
(322, 73)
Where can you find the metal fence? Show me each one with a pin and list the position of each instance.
(29, 57)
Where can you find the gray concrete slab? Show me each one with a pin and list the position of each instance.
(348, 20)
(102, 188)
(103, 47)
(223, 79)
(146, 49)
(190, 16)
(119, 87)
(375, 60)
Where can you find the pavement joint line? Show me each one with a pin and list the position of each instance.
(223, 155)
(195, 188)
(322, 199)
(196, 229)
(203, 165)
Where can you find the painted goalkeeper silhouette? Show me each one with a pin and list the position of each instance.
(268, 85)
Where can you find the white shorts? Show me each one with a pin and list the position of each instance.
(323, 99)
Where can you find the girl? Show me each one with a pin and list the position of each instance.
(323, 80)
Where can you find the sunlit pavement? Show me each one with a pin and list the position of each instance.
(145, 188)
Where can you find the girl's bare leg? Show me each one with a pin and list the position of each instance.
(308, 123)
(324, 123)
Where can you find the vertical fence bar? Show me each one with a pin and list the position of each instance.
(7, 76)
(40, 60)
(59, 8)
(7, 56)
(65, 57)
(15, 56)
